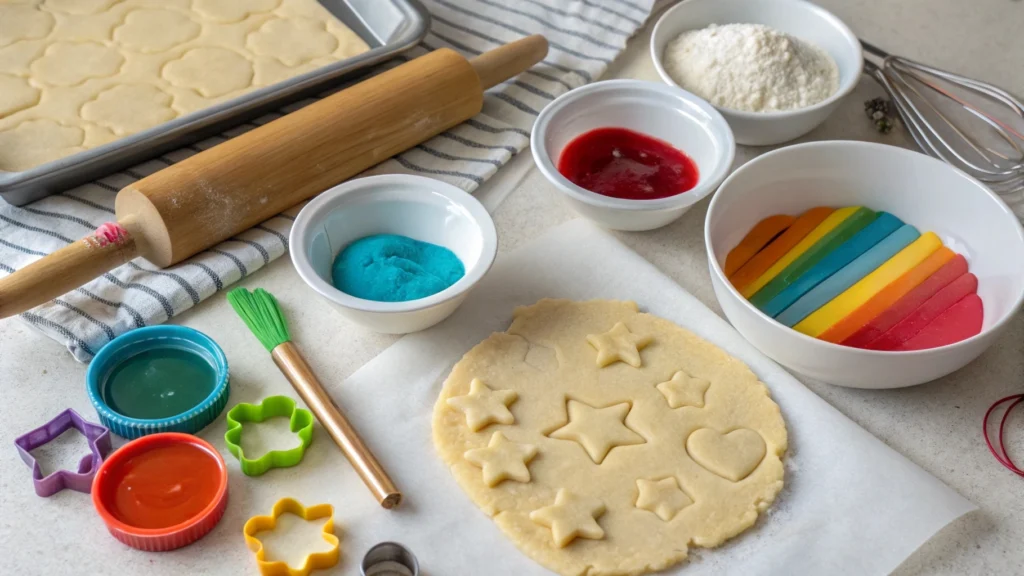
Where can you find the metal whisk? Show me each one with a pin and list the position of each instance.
(986, 141)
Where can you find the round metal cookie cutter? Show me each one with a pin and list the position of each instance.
(389, 559)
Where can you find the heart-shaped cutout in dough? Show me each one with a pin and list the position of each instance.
(732, 456)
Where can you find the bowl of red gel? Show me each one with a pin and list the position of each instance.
(632, 155)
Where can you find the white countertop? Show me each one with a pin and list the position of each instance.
(937, 425)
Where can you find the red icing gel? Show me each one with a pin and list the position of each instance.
(163, 486)
(622, 163)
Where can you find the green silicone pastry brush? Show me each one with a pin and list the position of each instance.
(260, 312)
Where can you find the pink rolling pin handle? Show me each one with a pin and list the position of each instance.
(66, 269)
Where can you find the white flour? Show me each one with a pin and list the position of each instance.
(751, 67)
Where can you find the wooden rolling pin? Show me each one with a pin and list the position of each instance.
(216, 194)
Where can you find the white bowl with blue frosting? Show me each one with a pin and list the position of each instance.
(416, 207)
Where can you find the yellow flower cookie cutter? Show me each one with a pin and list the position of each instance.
(315, 561)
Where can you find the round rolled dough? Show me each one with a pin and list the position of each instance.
(605, 441)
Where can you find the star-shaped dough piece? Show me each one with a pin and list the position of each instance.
(618, 345)
(483, 406)
(684, 390)
(571, 516)
(503, 459)
(663, 497)
(597, 430)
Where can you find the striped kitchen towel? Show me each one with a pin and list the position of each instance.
(584, 35)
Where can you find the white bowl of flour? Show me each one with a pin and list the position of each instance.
(775, 69)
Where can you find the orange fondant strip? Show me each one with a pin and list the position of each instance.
(887, 296)
(764, 259)
(759, 236)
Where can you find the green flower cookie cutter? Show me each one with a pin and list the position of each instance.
(300, 422)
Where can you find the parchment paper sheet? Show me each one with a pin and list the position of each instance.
(851, 504)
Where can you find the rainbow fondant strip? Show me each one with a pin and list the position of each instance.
(926, 313)
(823, 247)
(777, 248)
(763, 232)
(827, 225)
(857, 277)
(823, 318)
(887, 296)
(906, 305)
(848, 275)
(884, 225)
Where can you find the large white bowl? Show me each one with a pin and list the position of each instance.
(798, 18)
(420, 208)
(918, 189)
(665, 112)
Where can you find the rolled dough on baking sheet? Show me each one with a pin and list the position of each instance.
(75, 74)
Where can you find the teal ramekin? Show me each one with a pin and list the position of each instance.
(141, 340)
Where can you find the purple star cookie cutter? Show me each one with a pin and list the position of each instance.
(81, 481)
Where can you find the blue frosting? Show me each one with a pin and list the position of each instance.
(393, 268)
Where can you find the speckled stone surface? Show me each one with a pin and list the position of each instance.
(937, 425)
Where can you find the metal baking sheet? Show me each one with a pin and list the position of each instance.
(390, 27)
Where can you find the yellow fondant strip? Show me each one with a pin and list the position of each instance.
(827, 225)
(855, 296)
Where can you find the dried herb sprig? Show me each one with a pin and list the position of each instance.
(880, 112)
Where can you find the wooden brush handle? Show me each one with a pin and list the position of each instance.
(66, 269)
(298, 372)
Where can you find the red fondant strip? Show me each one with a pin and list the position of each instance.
(959, 322)
(925, 313)
(903, 307)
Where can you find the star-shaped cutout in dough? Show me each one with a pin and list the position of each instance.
(503, 459)
(663, 497)
(684, 390)
(618, 345)
(571, 516)
(597, 430)
(483, 406)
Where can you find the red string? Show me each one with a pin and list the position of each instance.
(1004, 457)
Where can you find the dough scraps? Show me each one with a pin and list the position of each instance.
(631, 441)
(99, 70)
